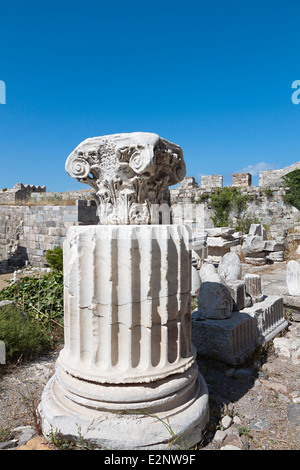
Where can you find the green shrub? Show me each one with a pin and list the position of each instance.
(55, 258)
(23, 336)
(221, 201)
(40, 296)
(292, 181)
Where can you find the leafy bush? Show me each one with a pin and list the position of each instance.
(40, 296)
(23, 337)
(223, 201)
(292, 181)
(55, 258)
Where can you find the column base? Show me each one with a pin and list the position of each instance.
(167, 414)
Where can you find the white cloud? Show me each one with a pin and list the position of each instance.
(261, 166)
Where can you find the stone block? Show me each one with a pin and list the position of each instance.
(233, 339)
(253, 244)
(238, 293)
(258, 230)
(230, 340)
(269, 316)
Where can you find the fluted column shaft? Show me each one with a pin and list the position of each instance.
(127, 302)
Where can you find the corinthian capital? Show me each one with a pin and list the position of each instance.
(128, 172)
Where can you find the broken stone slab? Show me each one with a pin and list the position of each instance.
(238, 293)
(221, 242)
(273, 245)
(224, 232)
(293, 277)
(253, 244)
(230, 340)
(230, 267)
(218, 247)
(275, 256)
(256, 261)
(269, 316)
(258, 229)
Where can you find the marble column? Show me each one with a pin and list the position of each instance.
(127, 377)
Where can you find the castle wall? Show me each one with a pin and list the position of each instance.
(27, 232)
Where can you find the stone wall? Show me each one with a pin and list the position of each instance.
(241, 179)
(20, 192)
(27, 232)
(274, 177)
(266, 206)
(211, 181)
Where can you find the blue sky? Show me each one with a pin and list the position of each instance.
(214, 77)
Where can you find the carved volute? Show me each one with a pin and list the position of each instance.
(129, 173)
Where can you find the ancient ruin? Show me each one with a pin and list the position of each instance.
(127, 373)
(135, 254)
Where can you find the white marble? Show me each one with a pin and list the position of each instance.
(293, 277)
(129, 173)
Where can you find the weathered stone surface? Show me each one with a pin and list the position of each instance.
(196, 282)
(269, 317)
(287, 348)
(259, 230)
(223, 232)
(214, 299)
(293, 277)
(127, 340)
(253, 244)
(253, 287)
(230, 340)
(199, 248)
(230, 267)
(234, 338)
(276, 256)
(238, 293)
(129, 173)
(274, 245)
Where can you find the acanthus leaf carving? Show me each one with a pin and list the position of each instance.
(129, 172)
